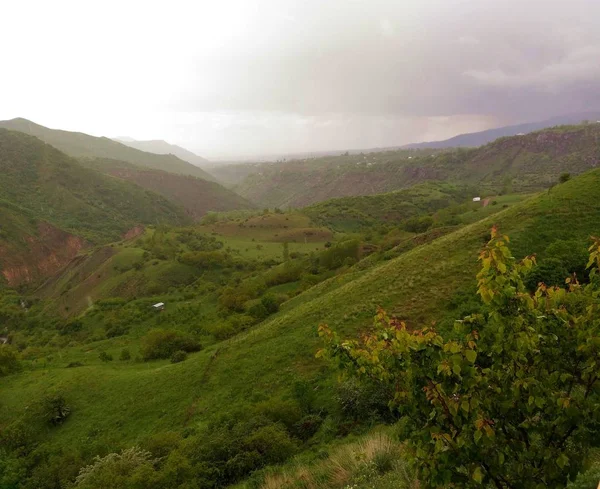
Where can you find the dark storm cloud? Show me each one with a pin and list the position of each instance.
(512, 59)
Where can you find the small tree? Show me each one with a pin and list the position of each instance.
(511, 399)
(564, 177)
(54, 409)
(286, 251)
(105, 357)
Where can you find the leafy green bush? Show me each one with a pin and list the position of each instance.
(125, 355)
(105, 357)
(160, 343)
(54, 409)
(130, 468)
(509, 399)
(9, 360)
(178, 356)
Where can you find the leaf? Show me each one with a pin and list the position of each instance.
(471, 355)
(477, 436)
(478, 475)
(562, 460)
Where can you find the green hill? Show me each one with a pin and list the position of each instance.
(196, 412)
(515, 164)
(196, 195)
(53, 207)
(79, 145)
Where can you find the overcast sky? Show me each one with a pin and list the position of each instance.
(241, 77)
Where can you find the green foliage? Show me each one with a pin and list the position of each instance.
(125, 355)
(205, 259)
(132, 467)
(418, 224)
(105, 357)
(337, 255)
(564, 177)
(160, 343)
(511, 399)
(54, 409)
(590, 479)
(9, 360)
(178, 356)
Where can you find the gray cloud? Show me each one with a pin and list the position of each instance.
(263, 76)
(430, 58)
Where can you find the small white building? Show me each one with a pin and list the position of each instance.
(159, 306)
(476, 199)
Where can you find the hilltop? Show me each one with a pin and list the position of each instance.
(52, 208)
(516, 164)
(79, 145)
(161, 147)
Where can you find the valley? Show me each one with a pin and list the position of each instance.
(162, 330)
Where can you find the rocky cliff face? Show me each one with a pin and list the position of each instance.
(39, 255)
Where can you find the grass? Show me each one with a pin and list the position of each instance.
(373, 461)
(122, 403)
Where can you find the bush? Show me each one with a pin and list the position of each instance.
(54, 409)
(130, 468)
(125, 355)
(105, 357)
(160, 343)
(9, 360)
(178, 356)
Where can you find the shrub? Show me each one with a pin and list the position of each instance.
(125, 355)
(132, 467)
(54, 409)
(9, 360)
(105, 357)
(507, 400)
(178, 356)
(160, 343)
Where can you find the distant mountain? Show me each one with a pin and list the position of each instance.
(81, 145)
(520, 163)
(160, 147)
(483, 137)
(51, 207)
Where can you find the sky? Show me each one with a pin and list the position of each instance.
(238, 78)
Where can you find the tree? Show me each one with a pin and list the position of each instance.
(564, 177)
(510, 400)
(286, 251)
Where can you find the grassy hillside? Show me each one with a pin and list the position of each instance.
(270, 371)
(81, 145)
(51, 203)
(196, 195)
(516, 164)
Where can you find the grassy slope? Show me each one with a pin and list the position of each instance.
(121, 404)
(516, 164)
(196, 195)
(52, 206)
(81, 145)
(56, 188)
(107, 271)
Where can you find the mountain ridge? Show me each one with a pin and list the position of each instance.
(81, 145)
(160, 146)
